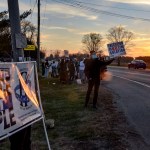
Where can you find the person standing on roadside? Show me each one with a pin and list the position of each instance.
(92, 71)
(81, 70)
(46, 68)
(63, 71)
(54, 69)
(43, 68)
(76, 68)
(21, 140)
(71, 68)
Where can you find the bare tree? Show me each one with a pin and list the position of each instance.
(120, 34)
(28, 29)
(5, 34)
(92, 41)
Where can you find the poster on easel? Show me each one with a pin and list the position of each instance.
(19, 100)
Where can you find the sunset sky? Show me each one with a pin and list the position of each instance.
(63, 26)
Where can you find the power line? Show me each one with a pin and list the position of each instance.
(44, 12)
(111, 6)
(74, 4)
(32, 9)
(81, 6)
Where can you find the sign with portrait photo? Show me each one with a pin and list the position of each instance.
(19, 101)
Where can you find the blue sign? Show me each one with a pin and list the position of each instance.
(116, 49)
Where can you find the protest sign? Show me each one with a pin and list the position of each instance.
(66, 53)
(19, 102)
(116, 49)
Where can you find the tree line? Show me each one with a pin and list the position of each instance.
(145, 58)
(27, 28)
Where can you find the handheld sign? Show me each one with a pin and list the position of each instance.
(66, 53)
(116, 49)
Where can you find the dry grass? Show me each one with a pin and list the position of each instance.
(77, 128)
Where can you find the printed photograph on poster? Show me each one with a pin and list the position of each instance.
(19, 104)
(5, 89)
(6, 103)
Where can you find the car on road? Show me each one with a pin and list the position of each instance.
(136, 64)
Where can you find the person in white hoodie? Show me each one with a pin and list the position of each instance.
(81, 71)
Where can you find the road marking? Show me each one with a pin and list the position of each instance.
(132, 81)
(141, 74)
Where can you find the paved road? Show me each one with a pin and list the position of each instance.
(133, 89)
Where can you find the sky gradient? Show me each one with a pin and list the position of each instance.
(63, 26)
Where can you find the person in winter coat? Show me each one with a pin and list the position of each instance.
(43, 68)
(71, 68)
(46, 68)
(63, 71)
(92, 71)
(81, 70)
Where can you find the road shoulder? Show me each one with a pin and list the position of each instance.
(131, 135)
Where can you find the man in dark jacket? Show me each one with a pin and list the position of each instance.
(92, 70)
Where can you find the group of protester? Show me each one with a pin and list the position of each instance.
(68, 70)
(49, 68)
(88, 70)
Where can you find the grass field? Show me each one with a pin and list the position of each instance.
(77, 128)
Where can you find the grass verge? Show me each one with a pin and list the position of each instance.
(77, 128)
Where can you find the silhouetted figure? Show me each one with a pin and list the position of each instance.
(92, 71)
(21, 140)
(71, 67)
(63, 71)
(46, 68)
(43, 67)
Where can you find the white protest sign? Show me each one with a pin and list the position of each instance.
(116, 49)
(19, 101)
(66, 53)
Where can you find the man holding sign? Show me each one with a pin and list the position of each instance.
(92, 71)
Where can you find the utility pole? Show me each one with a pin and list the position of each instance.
(17, 40)
(14, 17)
(38, 38)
